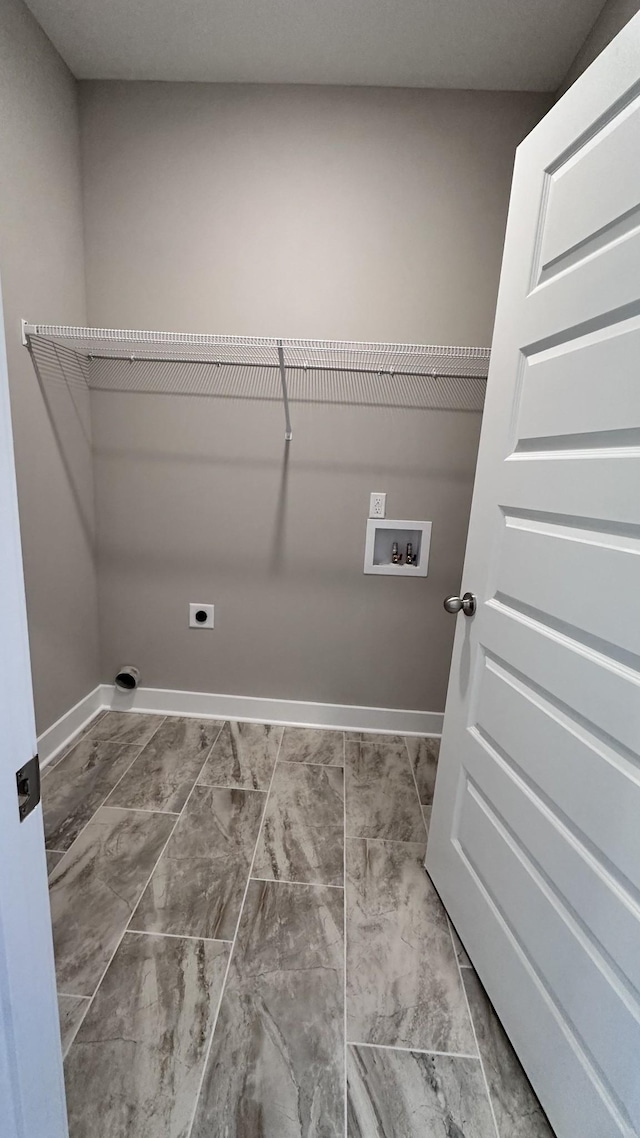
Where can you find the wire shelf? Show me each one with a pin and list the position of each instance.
(414, 376)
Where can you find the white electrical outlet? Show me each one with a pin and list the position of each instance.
(200, 616)
(377, 505)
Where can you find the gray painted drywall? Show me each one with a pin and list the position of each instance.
(322, 212)
(42, 271)
(612, 19)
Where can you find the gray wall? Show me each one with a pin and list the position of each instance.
(42, 271)
(323, 212)
(612, 19)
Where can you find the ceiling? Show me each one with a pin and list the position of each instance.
(524, 45)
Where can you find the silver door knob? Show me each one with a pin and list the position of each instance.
(467, 603)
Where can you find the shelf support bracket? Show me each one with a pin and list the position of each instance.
(288, 433)
(27, 330)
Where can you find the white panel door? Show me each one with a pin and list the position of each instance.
(535, 835)
(32, 1103)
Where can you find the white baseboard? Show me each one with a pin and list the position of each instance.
(285, 712)
(247, 709)
(52, 741)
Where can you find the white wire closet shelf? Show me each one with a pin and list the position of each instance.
(410, 376)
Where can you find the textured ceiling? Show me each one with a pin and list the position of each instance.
(487, 44)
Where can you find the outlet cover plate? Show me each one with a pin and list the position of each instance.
(377, 504)
(195, 611)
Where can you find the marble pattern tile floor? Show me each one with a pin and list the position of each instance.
(302, 834)
(79, 785)
(388, 1090)
(72, 1010)
(380, 792)
(197, 886)
(163, 774)
(53, 857)
(248, 946)
(95, 887)
(244, 756)
(517, 1110)
(423, 754)
(137, 1059)
(276, 1064)
(304, 745)
(403, 983)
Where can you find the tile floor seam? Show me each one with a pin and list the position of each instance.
(73, 995)
(233, 786)
(180, 936)
(378, 743)
(140, 810)
(413, 1050)
(415, 783)
(287, 881)
(306, 763)
(473, 1029)
(389, 841)
(188, 1132)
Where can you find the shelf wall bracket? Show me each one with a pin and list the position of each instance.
(288, 433)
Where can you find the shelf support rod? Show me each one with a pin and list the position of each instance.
(288, 433)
